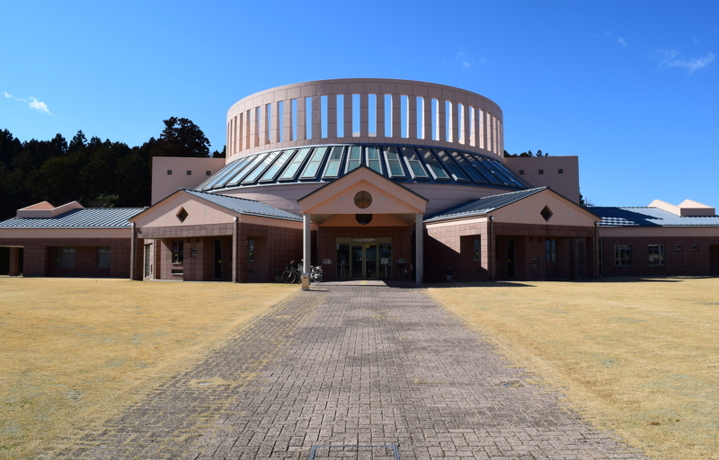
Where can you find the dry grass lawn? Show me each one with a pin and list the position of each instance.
(74, 352)
(637, 357)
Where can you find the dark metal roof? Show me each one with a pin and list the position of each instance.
(245, 206)
(484, 205)
(78, 218)
(399, 163)
(648, 217)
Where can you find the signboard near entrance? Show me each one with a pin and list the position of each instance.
(363, 240)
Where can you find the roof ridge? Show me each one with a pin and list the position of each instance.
(225, 196)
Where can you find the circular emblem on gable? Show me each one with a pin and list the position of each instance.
(363, 199)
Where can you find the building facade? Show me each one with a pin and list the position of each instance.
(374, 179)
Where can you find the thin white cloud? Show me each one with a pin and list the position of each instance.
(622, 41)
(40, 106)
(465, 61)
(33, 103)
(696, 40)
(673, 58)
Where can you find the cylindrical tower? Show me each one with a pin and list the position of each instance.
(364, 110)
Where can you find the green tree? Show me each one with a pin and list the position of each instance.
(222, 154)
(181, 138)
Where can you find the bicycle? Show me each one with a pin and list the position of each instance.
(291, 274)
(316, 273)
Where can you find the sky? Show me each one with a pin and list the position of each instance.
(631, 87)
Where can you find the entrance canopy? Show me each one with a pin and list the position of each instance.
(368, 204)
(363, 192)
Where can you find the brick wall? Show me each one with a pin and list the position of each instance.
(529, 244)
(684, 262)
(274, 247)
(39, 257)
(451, 248)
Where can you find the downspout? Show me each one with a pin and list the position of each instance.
(133, 246)
(235, 251)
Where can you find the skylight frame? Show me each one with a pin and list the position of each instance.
(333, 166)
(411, 159)
(396, 161)
(295, 166)
(261, 167)
(353, 149)
(314, 163)
(246, 170)
(433, 164)
(270, 175)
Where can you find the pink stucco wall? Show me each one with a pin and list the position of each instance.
(164, 184)
(541, 171)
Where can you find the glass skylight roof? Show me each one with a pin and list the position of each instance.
(403, 164)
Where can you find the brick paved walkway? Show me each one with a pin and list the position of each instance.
(351, 365)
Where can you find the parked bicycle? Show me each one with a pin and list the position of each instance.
(292, 274)
(316, 273)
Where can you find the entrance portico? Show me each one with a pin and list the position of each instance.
(368, 227)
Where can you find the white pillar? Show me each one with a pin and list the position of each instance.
(419, 247)
(306, 243)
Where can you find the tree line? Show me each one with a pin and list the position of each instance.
(93, 172)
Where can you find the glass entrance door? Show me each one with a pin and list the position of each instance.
(364, 261)
(357, 259)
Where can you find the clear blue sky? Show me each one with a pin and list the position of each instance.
(632, 87)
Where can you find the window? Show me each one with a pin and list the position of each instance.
(208, 173)
(550, 250)
(65, 257)
(272, 171)
(623, 255)
(169, 172)
(103, 257)
(679, 247)
(333, 163)
(177, 251)
(373, 159)
(251, 250)
(395, 167)
(313, 165)
(560, 171)
(656, 255)
(434, 166)
(294, 166)
(476, 249)
(541, 171)
(546, 213)
(521, 172)
(189, 173)
(182, 215)
(363, 219)
(415, 166)
(695, 247)
(363, 199)
(355, 158)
